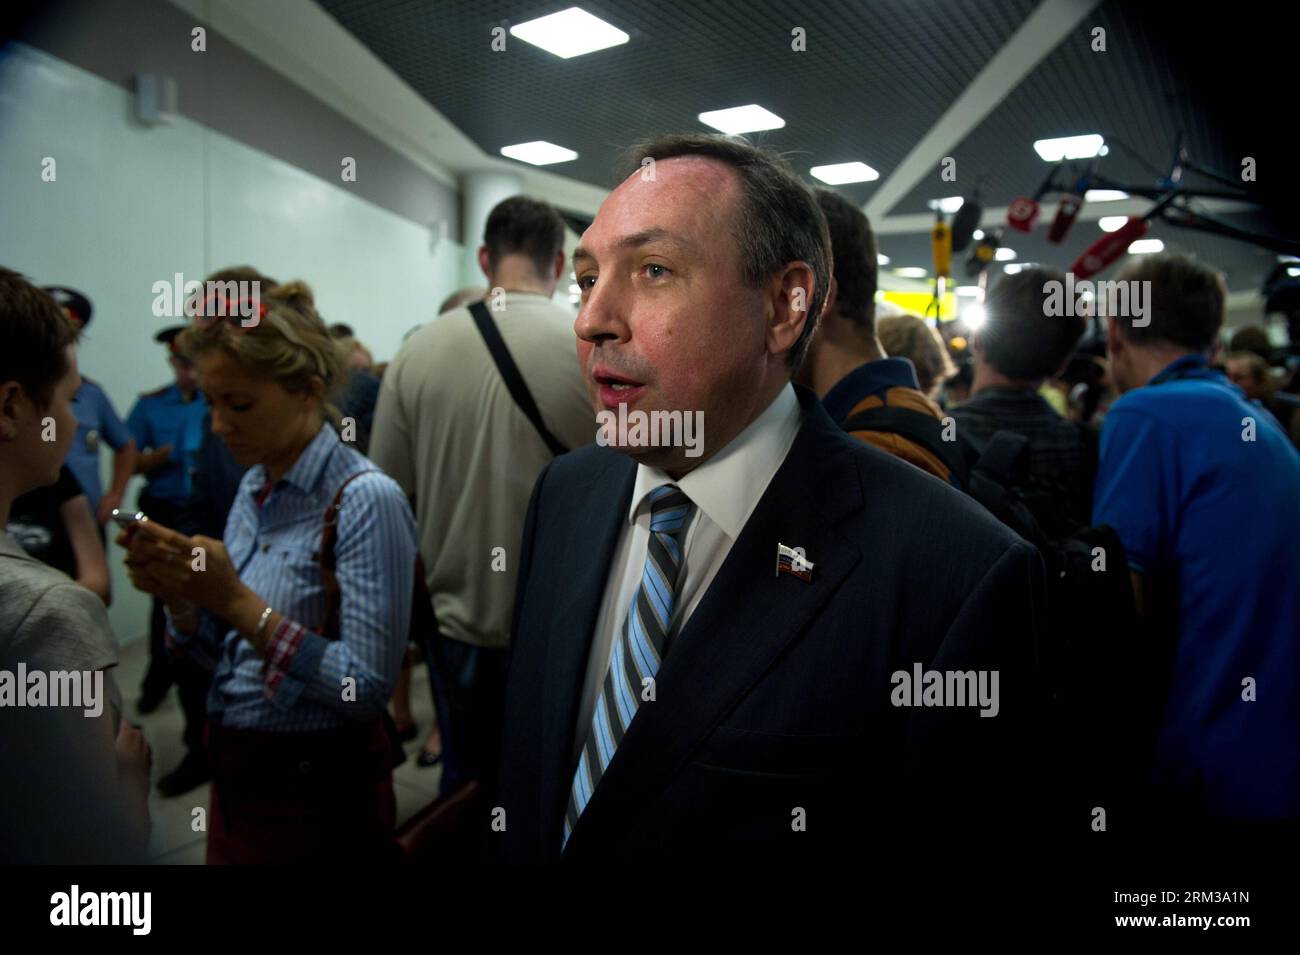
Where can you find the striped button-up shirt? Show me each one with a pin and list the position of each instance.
(305, 681)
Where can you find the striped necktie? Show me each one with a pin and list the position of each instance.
(639, 649)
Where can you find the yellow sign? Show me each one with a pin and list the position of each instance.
(922, 303)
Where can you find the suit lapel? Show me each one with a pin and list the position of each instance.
(748, 616)
(598, 511)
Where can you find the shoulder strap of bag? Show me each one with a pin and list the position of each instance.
(1005, 458)
(328, 540)
(510, 373)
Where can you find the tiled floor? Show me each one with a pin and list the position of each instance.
(174, 840)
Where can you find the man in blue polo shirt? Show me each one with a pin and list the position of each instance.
(1204, 491)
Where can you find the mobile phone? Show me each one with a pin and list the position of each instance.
(125, 519)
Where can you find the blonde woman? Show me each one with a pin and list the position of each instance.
(304, 660)
(907, 336)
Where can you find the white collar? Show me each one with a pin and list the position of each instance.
(727, 487)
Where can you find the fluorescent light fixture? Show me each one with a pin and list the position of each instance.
(1069, 147)
(1003, 254)
(569, 33)
(910, 272)
(539, 153)
(741, 119)
(1145, 246)
(1013, 268)
(970, 291)
(882, 259)
(950, 204)
(977, 234)
(1104, 195)
(1111, 223)
(837, 174)
(973, 316)
(575, 289)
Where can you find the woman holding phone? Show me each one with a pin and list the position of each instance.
(304, 659)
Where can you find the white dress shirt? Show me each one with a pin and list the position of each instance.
(725, 490)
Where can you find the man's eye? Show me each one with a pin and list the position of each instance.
(656, 271)
(582, 282)
(240, 408)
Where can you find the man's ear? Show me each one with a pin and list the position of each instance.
(832, 300)
(559, 264)
(484, 262)
(1114, 338)
(12, 401)
(792, 292)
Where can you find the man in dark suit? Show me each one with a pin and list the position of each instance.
(775, 642)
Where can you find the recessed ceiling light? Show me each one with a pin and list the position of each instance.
(569, 33)
(1145, 247)
(539, 153)
(910, 272)
(882, 259)
(837, 174)
(1013, 268)
(949, 205)
(977, 234)
(1293, 272)
(1069, 147)
(741, 119)
(971, 291)
(973, 316)
(1111, 223)
(1003, 254)
(1104, 195)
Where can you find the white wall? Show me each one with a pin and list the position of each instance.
(133, 205)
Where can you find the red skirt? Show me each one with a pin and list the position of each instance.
(285, 798)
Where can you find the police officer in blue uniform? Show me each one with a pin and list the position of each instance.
(168, 428)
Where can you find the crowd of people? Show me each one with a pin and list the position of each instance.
(1096, 524)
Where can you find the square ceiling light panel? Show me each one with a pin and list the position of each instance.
(570, 33)
(840, 173)
(742, 119)
(538, 153)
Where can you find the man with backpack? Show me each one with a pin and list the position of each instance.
(875, 398)
(474, 406)
(1019, 346)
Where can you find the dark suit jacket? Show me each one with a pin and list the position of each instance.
(772, 731)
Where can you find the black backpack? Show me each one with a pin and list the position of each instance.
(1099, 671)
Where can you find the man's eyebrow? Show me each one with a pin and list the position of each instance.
(643, 237)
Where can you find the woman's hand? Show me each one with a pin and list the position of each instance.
(182, 571)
